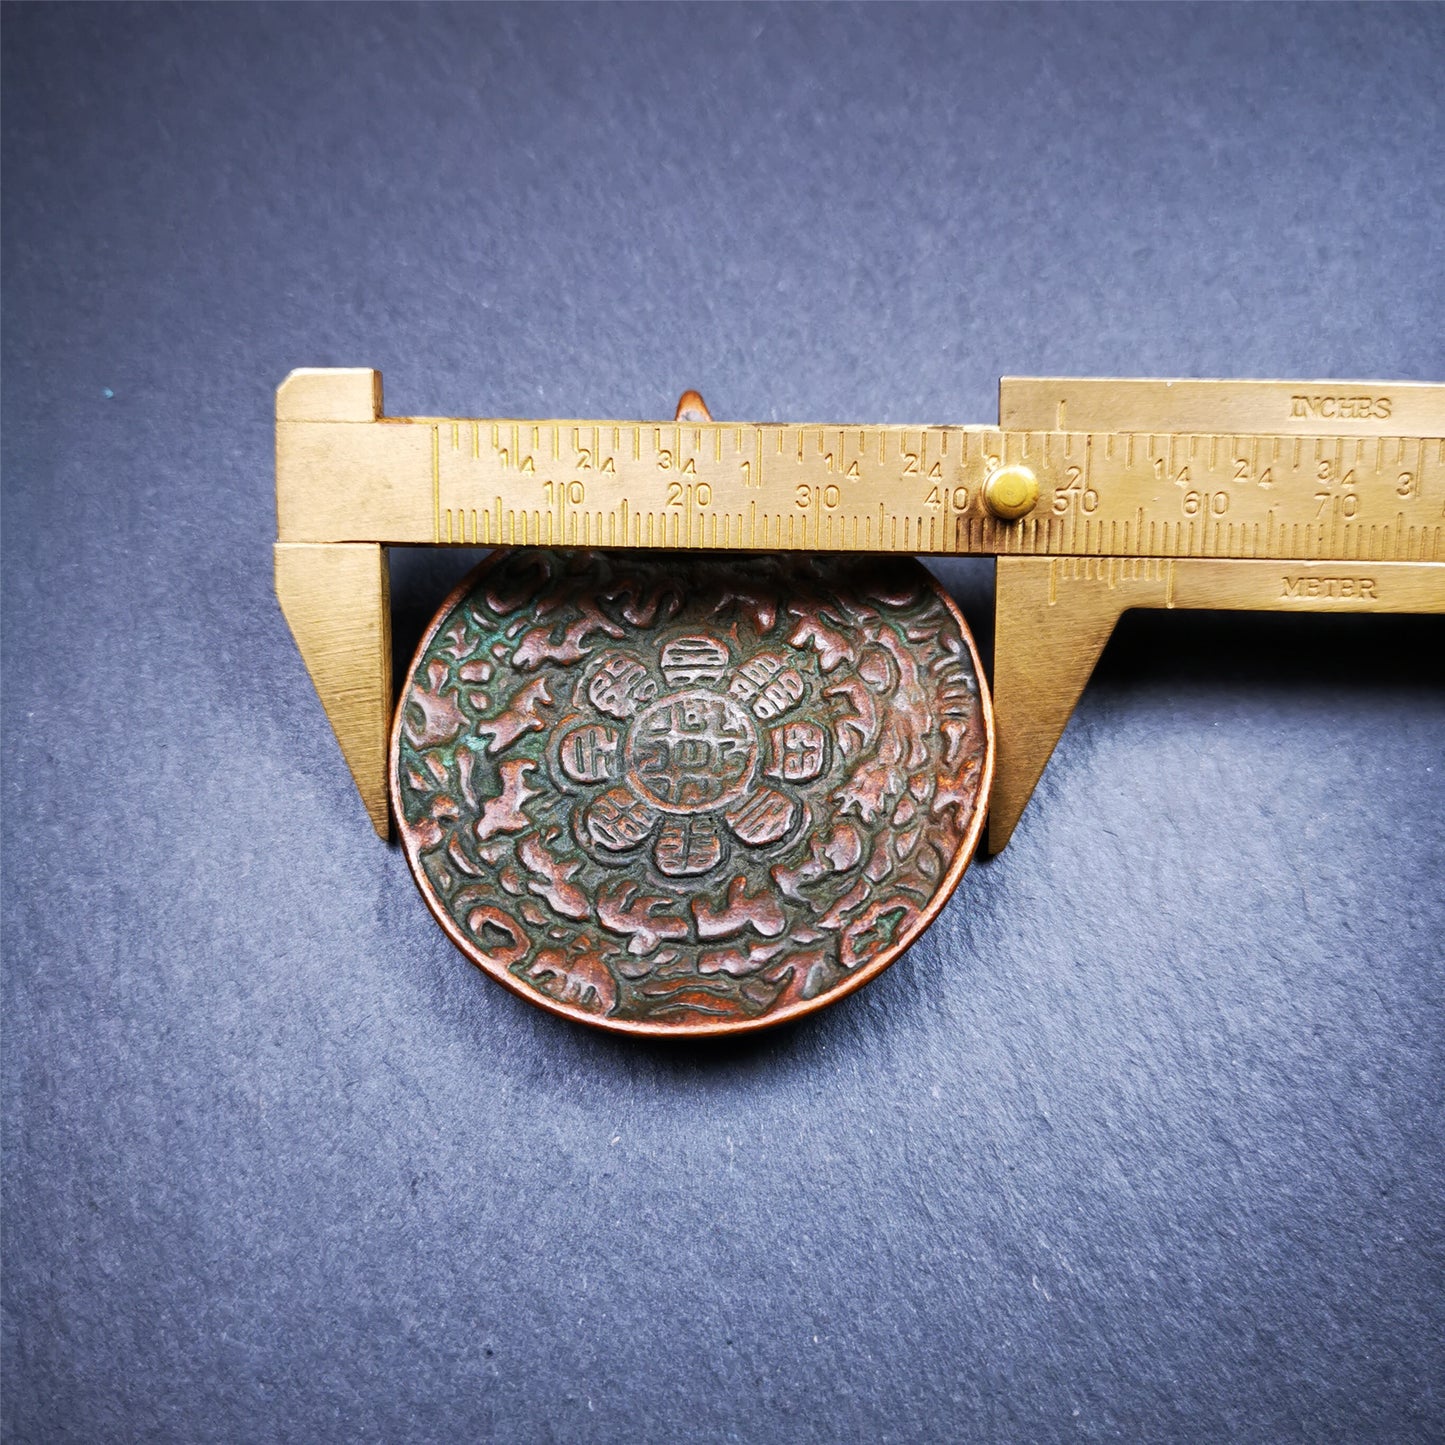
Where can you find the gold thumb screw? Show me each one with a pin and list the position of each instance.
(1010, 493)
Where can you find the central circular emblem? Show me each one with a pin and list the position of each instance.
(691, 752)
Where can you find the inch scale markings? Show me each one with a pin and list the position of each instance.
(922, 490)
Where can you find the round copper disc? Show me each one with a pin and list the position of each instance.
(672, 794)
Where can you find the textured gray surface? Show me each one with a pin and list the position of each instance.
(1142, 1142)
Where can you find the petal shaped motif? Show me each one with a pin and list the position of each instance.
(688, 847)
(799, 751)
(764, 817)
(589, 754)
(691, 660)
(779, 695)
(620, 685)
(620, 820)
(754, 675)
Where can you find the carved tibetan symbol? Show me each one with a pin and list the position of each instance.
(683, 795)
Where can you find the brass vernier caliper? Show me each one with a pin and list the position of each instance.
(1095, 496)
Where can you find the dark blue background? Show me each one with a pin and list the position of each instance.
(1143, 1142)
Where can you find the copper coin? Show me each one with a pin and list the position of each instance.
(669, 794)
